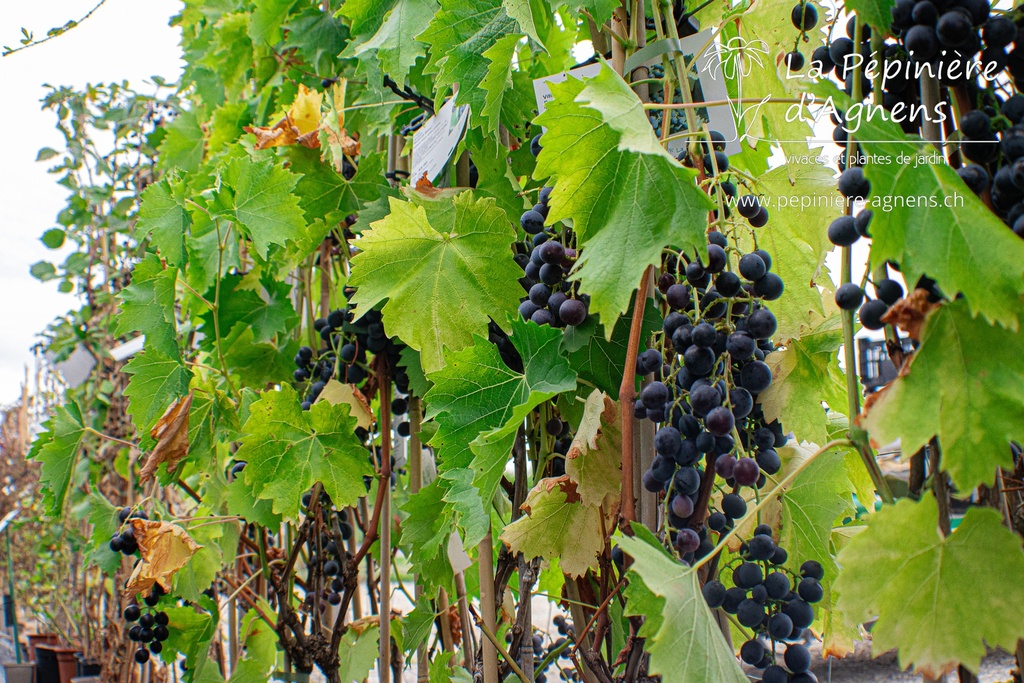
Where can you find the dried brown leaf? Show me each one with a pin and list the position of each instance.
(171, 435)
(165, 548)
(909, 313)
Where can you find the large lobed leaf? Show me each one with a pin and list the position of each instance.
(684, 640)
(627, 197)
(57, 450)
(459, 36)
(558, 525)
(445, 266)
(289, 449)
(963, 385)
(942, 602)
(257, 194)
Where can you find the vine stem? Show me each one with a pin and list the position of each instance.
(786, 481)
(627, 396)
(849, 351)
(385, 526)
(489, 635)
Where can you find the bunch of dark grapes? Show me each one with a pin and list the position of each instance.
(774, 603)
(331, 560)
(123, 540)
(150, 631)
(677, 117)
(719, 331)
(344, 354)
(546, 259)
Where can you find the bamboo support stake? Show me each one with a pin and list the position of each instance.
(468, 660)
(415, 484)
(485, 565)
(385, 530)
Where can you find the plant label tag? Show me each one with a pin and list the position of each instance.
(434, 142)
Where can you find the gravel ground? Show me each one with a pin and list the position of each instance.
(859, 667)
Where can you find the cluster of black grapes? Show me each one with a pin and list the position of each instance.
(550, 299)
(151, 630)
(343, 356)
(994, 141)
(721, 332)
(330, 563)
(123, 541)
(677, 117)
(764, 600)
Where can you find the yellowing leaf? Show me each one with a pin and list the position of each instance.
(558, 525)
(941, 601)
(336, 392)
(171, 435)
(299, 125)
(165, 548)
(593, 460)
(305, 110)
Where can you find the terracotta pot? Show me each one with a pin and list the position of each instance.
(20, 673)
(40, 639)
(67, 663)
(56, 664)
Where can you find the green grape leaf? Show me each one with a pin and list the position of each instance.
(191, 631)
(365, 16)
(600, 361)
(522, 12)
(962, 385)
(227, 125)
(164, 219)
(242, 501)
(264, 306)
(218, 541)
(257, 363)
(103, 518)
(877, 13)
(797, 239)
(395, 42)
(260, 648)
(57, 449)
(498, 80)
(156, 382)
(182, 147)
(476, 393)
(231, 54)
(318, 37)
(941, 602)
(627, 197)
(495, 175)
(558, 525)
(601, 10)
(289, 449)
(358, 652)
(928, 221)
(266, 19)
(325, 194)
(593, 462)
(459, 36)
(805, 373)
(147, 305)
(410, 362)
(445, 266)
(426, 529)
(258, 196)
(683, 638)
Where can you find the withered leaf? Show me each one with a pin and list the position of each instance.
(171, 435)
(165, 548)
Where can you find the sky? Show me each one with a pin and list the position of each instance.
(124, 40)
